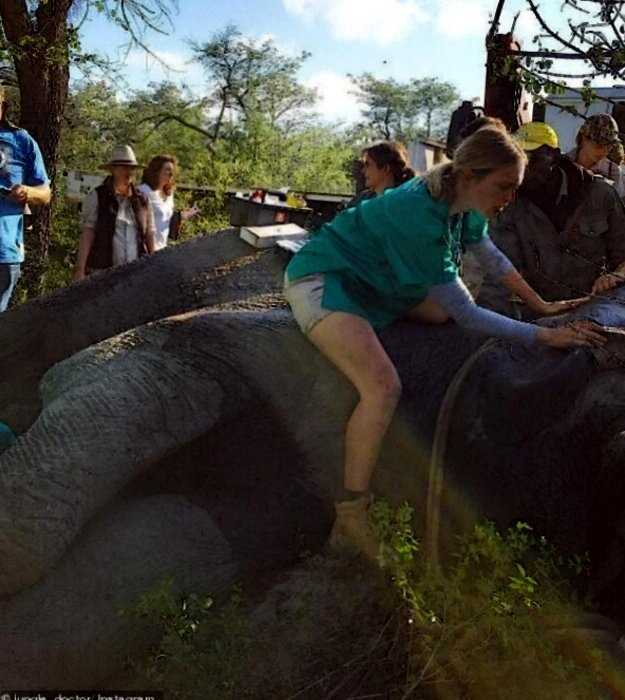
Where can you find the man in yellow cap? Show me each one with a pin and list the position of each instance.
(565, 232)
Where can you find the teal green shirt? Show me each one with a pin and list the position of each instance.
(380, 258)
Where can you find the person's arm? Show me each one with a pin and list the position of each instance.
(150, 231)
(87, 234)
(456, 300)
(85, 244)
(515, 284)
(35, 188)
(503, 234)
(175, 224)
(615, 244)
(31, 194)
(501, 270)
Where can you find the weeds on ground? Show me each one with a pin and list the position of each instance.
(486, 627)
(203, 648)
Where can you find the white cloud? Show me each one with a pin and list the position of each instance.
(463, 18)
(336, 101)
(472, 18)
(363, 20)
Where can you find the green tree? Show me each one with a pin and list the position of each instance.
(404, 111)
(252, 79)
(386, 106)
(93, 120)
(432, 100)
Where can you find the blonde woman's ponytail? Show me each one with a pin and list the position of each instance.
(440, 179)
(486, 150)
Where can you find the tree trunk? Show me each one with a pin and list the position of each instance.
(39, 47)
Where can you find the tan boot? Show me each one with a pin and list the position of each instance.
(352, 529)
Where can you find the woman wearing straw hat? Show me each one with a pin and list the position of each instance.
(117, 221)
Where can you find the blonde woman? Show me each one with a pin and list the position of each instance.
(398, 255)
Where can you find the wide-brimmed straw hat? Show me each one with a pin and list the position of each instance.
(122, 155)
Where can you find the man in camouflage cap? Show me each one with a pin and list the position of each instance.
(599, 128)
(597, 138)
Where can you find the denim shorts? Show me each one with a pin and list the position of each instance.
(305, 295)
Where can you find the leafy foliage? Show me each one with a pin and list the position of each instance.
(586, 43)
(405, 111)
(491, 622)
(253, 79)
(202, 652)
(492, 619)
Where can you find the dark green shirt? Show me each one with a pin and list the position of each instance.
(381, 257)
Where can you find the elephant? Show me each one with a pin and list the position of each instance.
(175, 422)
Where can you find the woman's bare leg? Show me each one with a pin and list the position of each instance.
(351, 344)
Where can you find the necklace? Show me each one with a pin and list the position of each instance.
(453, 239)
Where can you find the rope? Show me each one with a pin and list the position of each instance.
(439, 448)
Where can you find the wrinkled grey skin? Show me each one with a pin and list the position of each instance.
(208, 446)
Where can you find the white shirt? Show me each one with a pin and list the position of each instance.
(163, 210)
(125, 238)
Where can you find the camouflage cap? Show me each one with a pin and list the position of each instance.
(600, 128)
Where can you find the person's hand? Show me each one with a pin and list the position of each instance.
(571, 335)
(187, 214)
(606, 282)
(551, 308)
(18, 194)
(79, 274)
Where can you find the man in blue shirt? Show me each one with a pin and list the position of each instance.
(23, 180)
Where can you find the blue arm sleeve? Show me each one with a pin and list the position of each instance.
(455, 298)
(491, 259)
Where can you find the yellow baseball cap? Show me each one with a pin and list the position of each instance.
(536, 134)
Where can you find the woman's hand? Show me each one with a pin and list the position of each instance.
(607, 282)
(571, 335)
(187, 214)
(552, 308)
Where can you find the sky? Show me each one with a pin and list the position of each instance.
(399, 39)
